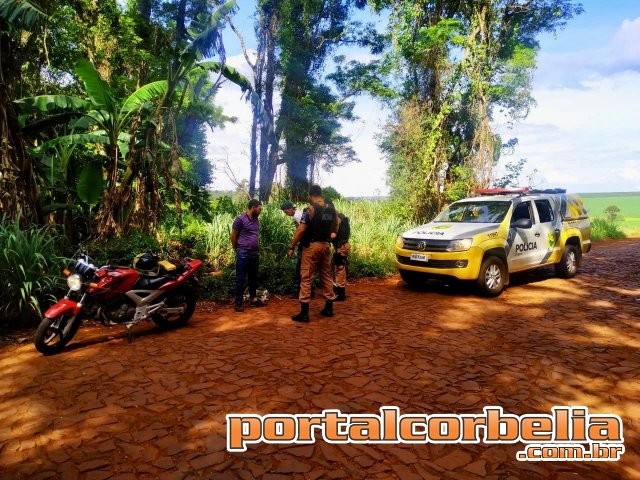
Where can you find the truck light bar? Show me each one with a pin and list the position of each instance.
(517, 191)
(549, 190)
(502, 191)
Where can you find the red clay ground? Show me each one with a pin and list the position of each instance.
(156, 408)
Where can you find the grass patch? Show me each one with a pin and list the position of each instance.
(30, 271)
(374, 228)
(627, 202)
(602, 229)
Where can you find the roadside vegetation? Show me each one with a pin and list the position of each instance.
(32, 260)
(603, 229)
(619, 213)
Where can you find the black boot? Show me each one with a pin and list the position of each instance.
(341, 294)
(327, 311)
(303, 316)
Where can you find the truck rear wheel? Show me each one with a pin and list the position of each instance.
(568, 266)
(492, 276)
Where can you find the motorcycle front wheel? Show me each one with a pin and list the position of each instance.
(184, 298)
(53, 334)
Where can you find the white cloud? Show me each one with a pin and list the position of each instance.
(585, 139)
(626, 42)
(368, 177)
(621, 53)
(631, 171)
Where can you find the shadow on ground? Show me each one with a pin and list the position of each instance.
(156, 408)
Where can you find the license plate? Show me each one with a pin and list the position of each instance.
(420, 257)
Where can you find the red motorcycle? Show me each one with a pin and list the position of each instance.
(115, 295)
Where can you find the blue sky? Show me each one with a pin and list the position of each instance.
(583, 134)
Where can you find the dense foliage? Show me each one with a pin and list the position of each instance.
(459, 64)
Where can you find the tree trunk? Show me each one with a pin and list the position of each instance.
(181, 29)
(269, 140)
(144, 9)
(253, 160)
(297, 161)
(18, 187)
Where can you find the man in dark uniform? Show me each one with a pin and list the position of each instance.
(315, 232)
(341, 249)
(290, 210)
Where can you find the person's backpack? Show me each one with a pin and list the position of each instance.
(344, 230)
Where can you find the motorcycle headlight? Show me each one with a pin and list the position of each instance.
(74, 282)
(459, 245)
(399, 242)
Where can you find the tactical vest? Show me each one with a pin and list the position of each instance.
(319, 227)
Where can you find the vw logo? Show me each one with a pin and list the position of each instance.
(422, 246)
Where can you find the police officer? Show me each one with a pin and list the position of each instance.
(341, 249)
(296, 213)
(315, 232)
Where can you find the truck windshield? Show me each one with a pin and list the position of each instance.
(474, 212)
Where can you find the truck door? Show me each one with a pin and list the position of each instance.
(523, 243)
(548, 231)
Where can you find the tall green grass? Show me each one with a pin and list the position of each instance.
(31, 265)
(602, 229)
(375, 226)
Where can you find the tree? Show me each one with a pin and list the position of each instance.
(330, 193)
(459, 62)
(18, 183)
(612, 213)
(147, 161)
(512, 175)
(309, 116)
(263, 69)
(107, 121)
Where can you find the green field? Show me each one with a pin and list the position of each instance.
(627, 202)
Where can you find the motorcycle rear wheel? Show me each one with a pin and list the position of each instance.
(182, 297)
(51, 337)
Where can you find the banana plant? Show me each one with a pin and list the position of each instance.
(107, 121)
(204, 41)
(98, 119)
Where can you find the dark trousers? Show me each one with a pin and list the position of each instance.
(246, 265)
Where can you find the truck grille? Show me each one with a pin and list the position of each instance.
(425, 245)
(433, 263)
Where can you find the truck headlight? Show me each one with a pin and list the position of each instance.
(399, 242)
(74, 282)
(459, 245)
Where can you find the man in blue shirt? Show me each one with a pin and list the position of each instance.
(245, 238)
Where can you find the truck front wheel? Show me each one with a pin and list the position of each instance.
(412, 279)
(568, 266)
(492, 276)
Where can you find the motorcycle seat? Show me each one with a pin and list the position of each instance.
(150, 283)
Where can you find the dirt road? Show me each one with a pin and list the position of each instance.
(156, 408)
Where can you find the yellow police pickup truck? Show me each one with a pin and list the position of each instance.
(498, 232)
